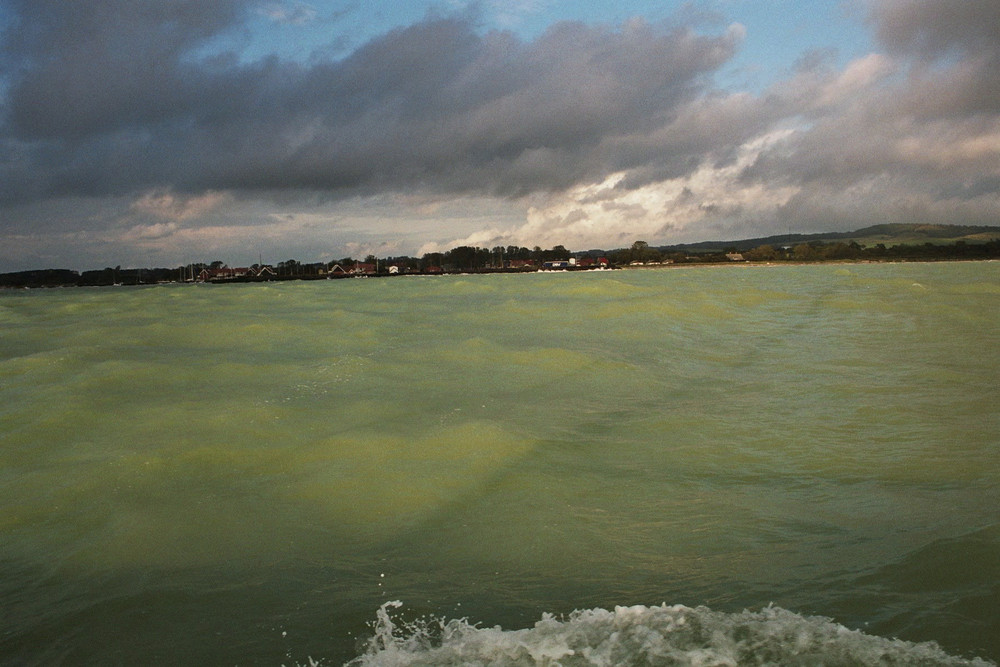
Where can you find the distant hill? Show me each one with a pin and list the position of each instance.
(889, 235)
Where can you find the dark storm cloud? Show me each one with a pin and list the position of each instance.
(955, 52)
(934, 28)
(107, 97)
(85, 68)
(956, 46)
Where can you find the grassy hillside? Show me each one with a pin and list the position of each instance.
(888, 235)
(915, 234)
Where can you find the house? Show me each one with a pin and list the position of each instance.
(230, 273)
(265, 272)
(590, 262)
(224, 273)
(520, 264)
(364, 269)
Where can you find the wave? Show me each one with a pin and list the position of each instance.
(640, 635)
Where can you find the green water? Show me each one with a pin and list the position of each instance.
(196, 474)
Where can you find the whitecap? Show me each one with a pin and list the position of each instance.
(640, 635)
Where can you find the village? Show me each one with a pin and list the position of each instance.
(376, 268)
(882, 243)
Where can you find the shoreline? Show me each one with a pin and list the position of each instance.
(651, 267)
(751, 263)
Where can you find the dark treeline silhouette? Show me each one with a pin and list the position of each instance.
(817, 251)
(469, 259)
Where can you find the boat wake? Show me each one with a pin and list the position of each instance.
(639, 635)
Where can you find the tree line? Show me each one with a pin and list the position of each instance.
(516, 258)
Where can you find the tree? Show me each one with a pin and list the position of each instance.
(761, 253)
(462, 258)
(517, 252)
(804, 252)
(497, 257)
(431, 260)
(641, 252)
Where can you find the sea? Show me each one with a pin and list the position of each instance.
(727, 465)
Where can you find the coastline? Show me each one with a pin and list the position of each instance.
(41, 284)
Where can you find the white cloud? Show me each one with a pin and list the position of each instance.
(144, 232)
(950, 145)
(507, 14)
(604, 215)
(295, 13)
(858, 76)
(167, 205)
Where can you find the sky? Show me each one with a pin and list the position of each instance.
(164, 132)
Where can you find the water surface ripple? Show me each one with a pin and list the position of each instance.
(247, 474)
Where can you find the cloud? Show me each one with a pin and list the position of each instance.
(910, 135)
(294, 13)
(85, 70)
(604, 215)
(858, 78)
(936, 28)
(171, 206)
(955, 49)
(144, 232)
(116, 127)
(890, 137)
(115, 104)
(511, 13)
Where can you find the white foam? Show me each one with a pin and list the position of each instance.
(639, 635)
